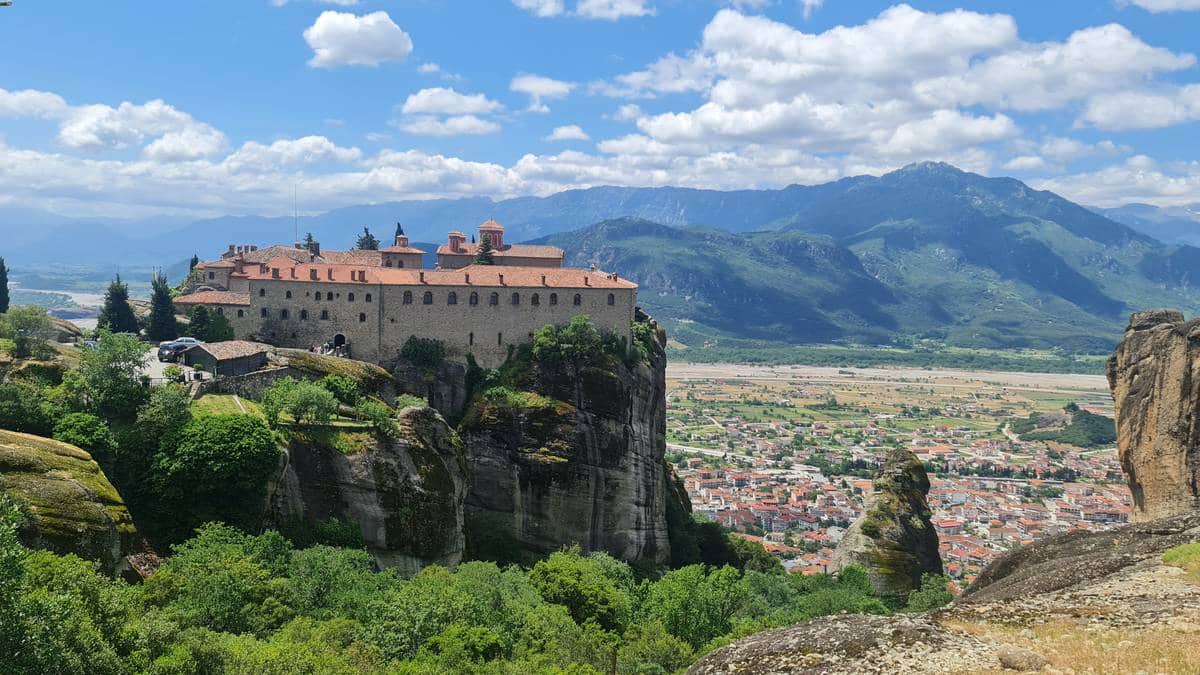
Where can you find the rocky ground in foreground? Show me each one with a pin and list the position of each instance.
(1079, 603)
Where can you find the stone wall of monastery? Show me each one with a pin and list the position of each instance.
(377, 328)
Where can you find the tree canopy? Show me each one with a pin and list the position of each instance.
(367, 241)
(116, 315)
(161, 324)
(486, 253)
(3, 287)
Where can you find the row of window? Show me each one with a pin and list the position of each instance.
(262, 293)
(284, 314)
(494, 299)
(451, 298)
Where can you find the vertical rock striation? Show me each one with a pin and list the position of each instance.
(405, 495)
(1155, 380)
(580, 462)
(894, 540)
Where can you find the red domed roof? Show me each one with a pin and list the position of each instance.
(491, 224)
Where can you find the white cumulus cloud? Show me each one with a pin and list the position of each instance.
(540, 89)
(345, 39)
(542, 8)
(1157, 6)
(611, 10)
(571, 132)
(447, 101)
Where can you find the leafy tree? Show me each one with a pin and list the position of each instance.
(426, 354)
(486, 254)
(693, 605)
(381, 417)
(568, 578)
(934, 593)
(24, 407)
(165, 414)
(649, 648)
(367, 241)
(216, 471)
(573, 346)
(344, 389)
(208, 326)
(306, 402)
(116, 315)
(3, 287)
(752, 556)
(30, 329)
(323, 579)
(86, 431)
(312, 404)
(161, 325)
(110, 374)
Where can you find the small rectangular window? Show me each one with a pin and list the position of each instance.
(325, 314)
(263, 312)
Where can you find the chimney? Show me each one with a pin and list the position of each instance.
(262, 268)
(293, 271)
(232, 249)
(422, 277)
(312, 274)
(329, 273)
(543, 279)
(239, 265)
(587, 281)
(501, 279)
(468, 275)
(402, 240)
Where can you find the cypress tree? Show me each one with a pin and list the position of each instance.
(193, 262)
(367, 241)
(484, 255)
(399, 230)
(3, 287)
(117, 316)
(162, 324)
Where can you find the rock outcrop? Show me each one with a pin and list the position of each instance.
(1094, 602)
(72, 507)
(894, 540)
(1155, 380)
(405, 495)
(580, 461)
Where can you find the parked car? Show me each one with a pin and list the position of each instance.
(169, 351)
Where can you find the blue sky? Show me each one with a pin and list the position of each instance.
(187, 108)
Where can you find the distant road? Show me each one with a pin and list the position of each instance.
(709, 451)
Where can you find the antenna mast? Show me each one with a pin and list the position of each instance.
(295, 214)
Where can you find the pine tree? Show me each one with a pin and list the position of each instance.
(117, 316)
(193, 262)
(308, 239)
(162, 324)
(3, 287)
(367, 241)
(484, 255)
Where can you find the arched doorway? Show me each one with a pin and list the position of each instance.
(339, 340)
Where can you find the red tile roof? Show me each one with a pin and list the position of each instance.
(402, 249)
(479, 275)
(214, 298)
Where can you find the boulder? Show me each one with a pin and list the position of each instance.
(406, 495)
(894, 540)
(72, 506)
(1155, 380)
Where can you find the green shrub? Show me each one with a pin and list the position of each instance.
(1186, 557)
(86, 431)
(932, 594)
(381, 417)
(343, 388)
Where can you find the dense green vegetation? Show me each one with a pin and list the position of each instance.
(230, 602)
(1085, 429)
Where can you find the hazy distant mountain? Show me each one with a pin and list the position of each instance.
(928, 251)
(1176, 225)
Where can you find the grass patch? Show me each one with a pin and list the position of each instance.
(347, 438)
(225, 404)
(1185, 557)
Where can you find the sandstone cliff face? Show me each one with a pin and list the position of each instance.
(406, 495)
(894, 540)
(73, 508)
(1155, 380)
(583, 463)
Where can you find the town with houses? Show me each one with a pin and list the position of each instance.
(794, 474)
